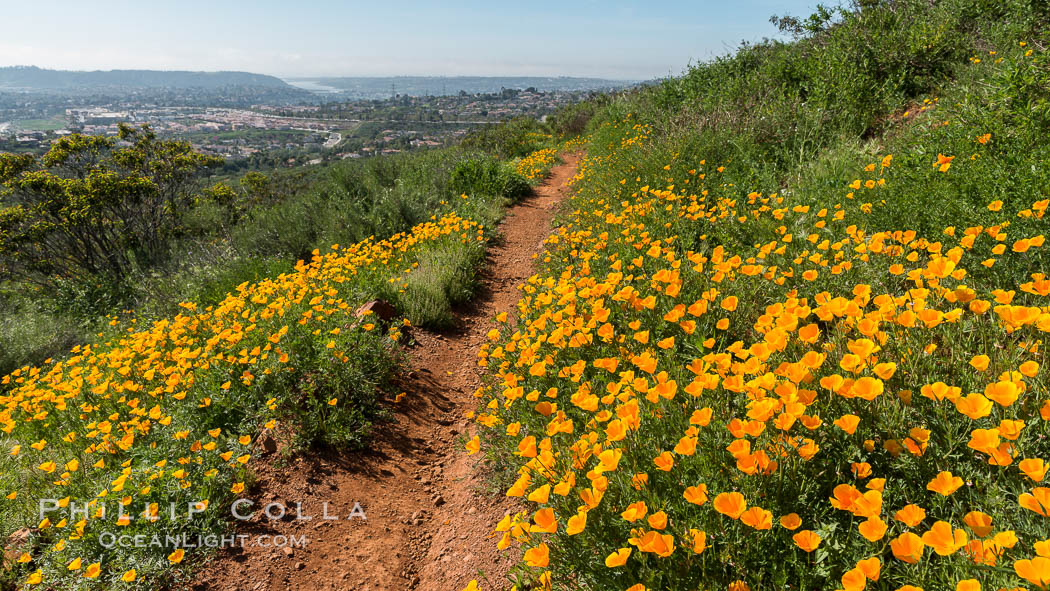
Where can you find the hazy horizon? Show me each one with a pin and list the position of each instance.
(327, 38)
(302, 77)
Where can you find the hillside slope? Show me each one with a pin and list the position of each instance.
(34, 78)
(790, 332)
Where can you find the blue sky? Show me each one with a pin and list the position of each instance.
(611, 38)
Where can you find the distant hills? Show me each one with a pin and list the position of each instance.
(32, 78)
(384, 86)
(245, 88)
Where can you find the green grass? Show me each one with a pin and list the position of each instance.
(445, 277)
(774, 106)
(27, 332)
(52, 124)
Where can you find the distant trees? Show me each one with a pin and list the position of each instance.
(816, 23)
(95, 207)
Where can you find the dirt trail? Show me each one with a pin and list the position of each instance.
(429, 518)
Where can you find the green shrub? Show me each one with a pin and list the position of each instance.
(446, 276)
(488, 176)
(774, 106)
(510, 139)
(94, 210)
(571, 120)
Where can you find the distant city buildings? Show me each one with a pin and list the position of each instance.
(98, 116)
(268, 135)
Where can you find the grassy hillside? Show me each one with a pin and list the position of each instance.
(790, 333)
(254, 228)
(247, 331)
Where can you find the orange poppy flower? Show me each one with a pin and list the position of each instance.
(943, 162)
(1036, 571)
(731, 504)
(986, 552)
(656, 543)
(872, 528)
(701, 417)
(696, 495)
(791, 521)
(576, 523)
(541, 494)
(1038, 500)
(807, 540)
(861, 469)
(848, 423)
(868, 388)
(1009, 429)
(984, 440)
(757, 518)
(618, 558)
(974, 406)
(545, 521)
(845, 497)
(1033, 468)
(854, 580)
(686, 446)
(1029, 369)
(943, 539)
(664, 461)
(980, 523)
(885, 370)
(908, 547)
(538, 556)
(910, 515)
(699, 540)
(635, 511)
(945, 484)
(809, 333)
(980, 362)
(1004, 393)
(871, 567)
(657, 520)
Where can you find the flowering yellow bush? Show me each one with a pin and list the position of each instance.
(536, 165)
(800, 403)
(159, 422)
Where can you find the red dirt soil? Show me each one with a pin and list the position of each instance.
(430, 513)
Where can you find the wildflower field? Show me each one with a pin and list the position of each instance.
(149, 432)
(789, 331)
(537, 164)
(839, 383)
